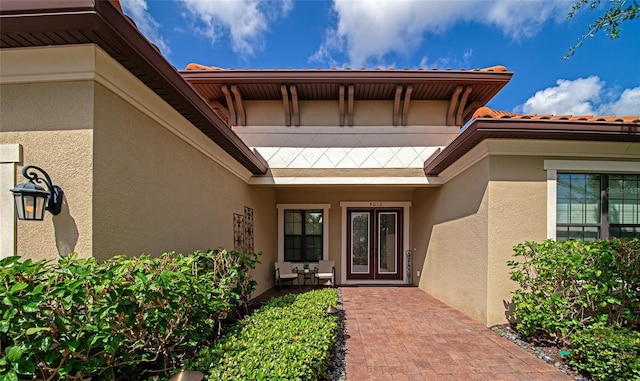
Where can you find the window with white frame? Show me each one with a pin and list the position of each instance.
(303, 235)
(590, 206)
(302, 232)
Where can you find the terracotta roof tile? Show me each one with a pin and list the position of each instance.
(117, 4)
(195, 66)
(498, 68)
(489, 113)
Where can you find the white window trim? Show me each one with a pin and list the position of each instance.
(577, 166)
(10, 154)
(406, 218)
(325, 227)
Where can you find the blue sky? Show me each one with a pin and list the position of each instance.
(528, 37)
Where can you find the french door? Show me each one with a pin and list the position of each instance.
(374, 243)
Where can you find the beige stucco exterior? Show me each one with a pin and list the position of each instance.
(450, 236)
(493, 198)
(137, 176)
(55, 132)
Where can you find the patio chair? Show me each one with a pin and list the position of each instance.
(326, 270)
(284, 272)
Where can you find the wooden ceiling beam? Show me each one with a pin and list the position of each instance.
(285, 105)
(341, 104)
(462, 104)
(233, 120)
(294, 103)
(453, 105)
(396, 105)
(350, 101)
(405, 106)
(242, 120)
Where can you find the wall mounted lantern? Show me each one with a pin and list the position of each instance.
(32, 199)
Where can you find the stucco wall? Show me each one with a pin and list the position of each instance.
(327, 113)
(517, 213)
(154, 192)
(137, 176)
(52, 121)
(450, 226)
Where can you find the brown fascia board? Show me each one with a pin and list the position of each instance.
(346, 75)
(103, 24)
(481, 129)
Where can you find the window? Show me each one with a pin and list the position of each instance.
(591, 206)
(302, 235)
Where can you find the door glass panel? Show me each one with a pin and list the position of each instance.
(387, 243)
(360, 243)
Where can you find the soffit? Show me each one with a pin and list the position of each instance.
(42, 23)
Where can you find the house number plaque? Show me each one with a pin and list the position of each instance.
(375, 204)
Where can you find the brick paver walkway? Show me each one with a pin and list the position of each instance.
(405, 334)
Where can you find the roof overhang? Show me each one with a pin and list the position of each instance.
(466, 90)
(545, 129)
(43, 23)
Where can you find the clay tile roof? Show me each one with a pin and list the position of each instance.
(117, 4)
(195, 66)
(489, 113)
(498, 68)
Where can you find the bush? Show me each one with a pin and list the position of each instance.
(567, 285)
(606, 353)
(290, 338)
(79, 319)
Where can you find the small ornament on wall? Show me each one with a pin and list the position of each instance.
(238, 232)
(243, 231)
(248, 229)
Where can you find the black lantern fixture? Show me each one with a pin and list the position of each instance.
(32, 199)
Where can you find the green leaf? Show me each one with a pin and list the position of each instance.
(11, 376)
(34, 330)
(14, 353)
(31, 307)
(18, 287)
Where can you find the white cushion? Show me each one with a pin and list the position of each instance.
(324, 275)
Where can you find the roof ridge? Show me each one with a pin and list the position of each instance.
(490, 113)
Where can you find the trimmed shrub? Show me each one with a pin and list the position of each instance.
(606, 353)
(290, 338)
(79, 319)
(567, 285)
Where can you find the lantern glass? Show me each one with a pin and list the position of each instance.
(30, 206)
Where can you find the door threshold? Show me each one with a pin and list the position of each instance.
(374, 283)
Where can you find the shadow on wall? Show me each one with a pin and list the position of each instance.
(510, 308)
(65, 230)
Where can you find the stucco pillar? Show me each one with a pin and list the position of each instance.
(10, 154)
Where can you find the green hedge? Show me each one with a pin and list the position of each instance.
(567, 285)
(290, 338)
(79, 319)
(586, 296)
(606, 353)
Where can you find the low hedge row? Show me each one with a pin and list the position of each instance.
(606, 353)
(290, 338)
(586, 296)
(77, 318)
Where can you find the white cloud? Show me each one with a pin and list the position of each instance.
(150, 28)
(627, 104)
(244, 21)
(583, 96)
(369, 29)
